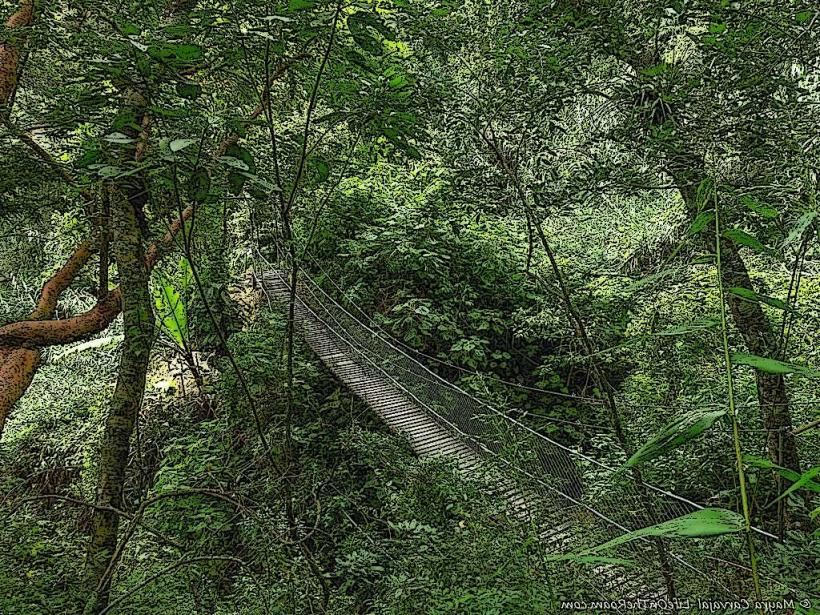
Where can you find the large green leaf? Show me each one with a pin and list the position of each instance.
(745, 239)
(750, 295)
(199, 185)
(772, 366)
(701, 221)
(684, 428)
(180, 144)
(173, 316)
(800, 227)
(699, 524)
(789, 475)
(806, 481)
(766, 211)
(690, 327)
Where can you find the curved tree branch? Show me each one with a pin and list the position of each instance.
(21, 342)
(11, 52)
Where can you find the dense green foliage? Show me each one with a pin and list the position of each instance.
(600, 216)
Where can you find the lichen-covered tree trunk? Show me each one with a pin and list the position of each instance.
(761, 339)
(138, 324)
(752, 324)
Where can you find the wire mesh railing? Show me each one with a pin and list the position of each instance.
(600, 501)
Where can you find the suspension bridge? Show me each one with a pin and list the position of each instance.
(569, 500)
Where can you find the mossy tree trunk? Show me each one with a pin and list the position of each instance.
(138, 324)
(754, 327)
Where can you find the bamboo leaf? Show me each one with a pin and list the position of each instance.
(684, 428)
(786, 473)
(700, 222)
(764, 210)
(772, 366)
(800, 227)
(743, 238)
(750, 295)
(805, 481)
(699, 524)
(690, 327)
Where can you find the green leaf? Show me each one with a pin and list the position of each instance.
(764, 210)
(243, 154)
(234, 163)
(180, 144)
(689, 327)
(789, 475)
(805, 481)
(129, 29)
(186, 276)
(108, 171)
(800, 227)
(654, 71)
(398, 82)
(699, 524)
(360, 25)
(743, 238)
(102, 342)
(772, 366)
(750, 295)
(368, 42)
(705, 191)
(199, 185)
(684, 428)
(652, 278)
(298, 5)
(177, 31)
(322, 169)
(701, 221)
(118, 138)
(184, 52)
(174, 319)
(189, 90)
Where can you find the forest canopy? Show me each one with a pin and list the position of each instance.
(409, 306)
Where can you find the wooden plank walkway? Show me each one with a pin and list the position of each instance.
(557, 527)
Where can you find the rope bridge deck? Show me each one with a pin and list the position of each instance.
(572, 501)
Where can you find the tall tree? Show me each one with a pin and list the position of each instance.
(138, 323)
